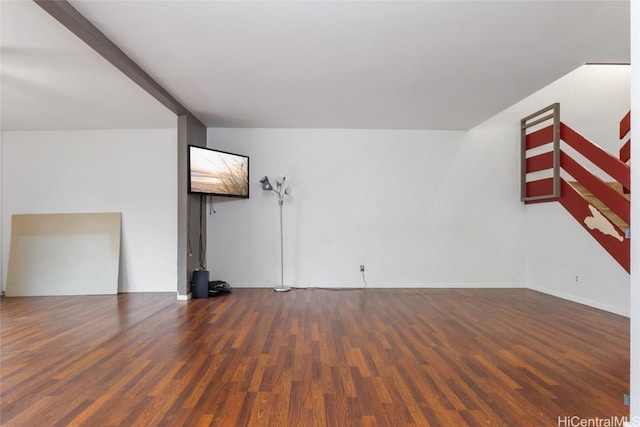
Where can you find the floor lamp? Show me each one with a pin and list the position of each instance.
(266, 185)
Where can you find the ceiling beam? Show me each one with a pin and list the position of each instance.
(73, 20)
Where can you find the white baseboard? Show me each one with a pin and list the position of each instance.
(186, 297)
(395, 286)
(585, 301)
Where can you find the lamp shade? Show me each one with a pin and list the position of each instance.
(266, 185)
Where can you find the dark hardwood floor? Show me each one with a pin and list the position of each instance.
(379, 357)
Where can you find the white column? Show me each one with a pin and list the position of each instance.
(635, 213)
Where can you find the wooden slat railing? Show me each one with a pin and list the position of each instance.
(580, 209)
(608, 163)
(538, 188)
(540, 162)
(603, 192)
(625, 151)
(540, 137)
(546, 189)
(625, 125)
(532, 139)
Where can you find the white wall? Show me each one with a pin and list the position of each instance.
(565, 261)
(635, 214)
(128, 171)
(2, 270)
(593, 100)
(418, 208)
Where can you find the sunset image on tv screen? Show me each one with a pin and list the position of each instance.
(214, 172)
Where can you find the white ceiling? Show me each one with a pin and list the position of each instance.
(314, 64)
(52, 80)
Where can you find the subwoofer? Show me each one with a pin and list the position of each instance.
(200, 284)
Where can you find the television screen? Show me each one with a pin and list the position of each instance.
(218, 173)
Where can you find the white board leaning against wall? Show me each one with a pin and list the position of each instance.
(64, 254)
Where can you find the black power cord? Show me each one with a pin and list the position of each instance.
(203, 249)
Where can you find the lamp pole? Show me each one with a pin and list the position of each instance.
(266, 185)
(282, 288)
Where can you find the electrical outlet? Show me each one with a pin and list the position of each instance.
(362, 268)
(577, 279)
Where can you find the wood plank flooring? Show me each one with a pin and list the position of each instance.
(379, 357)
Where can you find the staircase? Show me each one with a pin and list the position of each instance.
(602, 207)
(595, 202)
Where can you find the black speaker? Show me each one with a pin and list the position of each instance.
(200, 284)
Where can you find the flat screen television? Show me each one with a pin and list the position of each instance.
(218, 173)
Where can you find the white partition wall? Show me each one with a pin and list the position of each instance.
(127, 171)
(635, 213)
